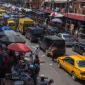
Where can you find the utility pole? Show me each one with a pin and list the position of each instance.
(67, 6)
(52, 1)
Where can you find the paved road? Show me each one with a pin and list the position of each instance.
(50, 69)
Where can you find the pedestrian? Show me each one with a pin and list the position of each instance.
(36, 60)
(53, 51)
(36, 51)
(33, 73)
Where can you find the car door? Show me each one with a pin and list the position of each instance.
(77, 47)
(81, 49)
(68, 64)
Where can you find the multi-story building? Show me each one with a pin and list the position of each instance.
(79, 6)
(33, 3)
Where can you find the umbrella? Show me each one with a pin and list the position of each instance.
(19, 47)
(6, 16)
(5, 28)
(56, 20)
(55, 14)
(11, 37)
(1, 34)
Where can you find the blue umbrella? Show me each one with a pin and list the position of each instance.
(5, 28)
(6, 16)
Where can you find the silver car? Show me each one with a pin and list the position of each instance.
(69, 40)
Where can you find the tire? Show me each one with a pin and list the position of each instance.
(74, 76)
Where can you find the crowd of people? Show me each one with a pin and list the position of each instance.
(14, 63)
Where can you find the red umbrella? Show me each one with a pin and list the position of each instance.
(19, 47)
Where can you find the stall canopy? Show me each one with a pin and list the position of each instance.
(56, 20)
(75, 16)
(19, 47)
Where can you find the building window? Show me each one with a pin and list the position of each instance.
(82, 4)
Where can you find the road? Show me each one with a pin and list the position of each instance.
(50, 69)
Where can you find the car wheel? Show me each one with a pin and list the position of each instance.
(74, 76)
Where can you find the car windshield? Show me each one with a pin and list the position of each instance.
(81, 63)
(66, 36)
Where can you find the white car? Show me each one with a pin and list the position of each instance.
(69, 40)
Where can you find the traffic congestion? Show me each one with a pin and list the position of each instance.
(39, 47)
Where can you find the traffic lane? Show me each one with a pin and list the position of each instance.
(70, 52)
(51, 70)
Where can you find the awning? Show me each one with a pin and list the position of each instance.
(75, 16)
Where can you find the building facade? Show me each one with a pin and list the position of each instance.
(79, 6)
(34, 3)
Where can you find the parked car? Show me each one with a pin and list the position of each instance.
(69, 40)
(34, 33)
(47, 43)
(79, 47)
(74, 64)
